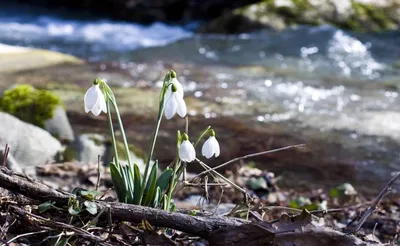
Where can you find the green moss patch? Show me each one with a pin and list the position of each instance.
(277, 14)
(31, 105)
(122, 154)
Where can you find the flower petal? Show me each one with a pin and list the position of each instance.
(207, 149)
(216, 148)
(91, 98)
(170, 107)
(102, 102)
(187, 152)
(181, 105)
(178, 86)
(96, 110)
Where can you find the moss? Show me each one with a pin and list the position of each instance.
(96, 141)
(29, 104)
(69, 154)
(121, 151)
(359, 17)
(367, 17)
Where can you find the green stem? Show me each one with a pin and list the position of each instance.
(121, 126)
(174, 181)
(174, 178)
(112, 133)
(155, 134)
(202, 135)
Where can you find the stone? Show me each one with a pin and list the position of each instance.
(15, 59)
(59, 125)
(11, 163)
(357, 15)
(29, 145)
(88, 147)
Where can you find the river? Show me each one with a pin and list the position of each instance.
(319, 82)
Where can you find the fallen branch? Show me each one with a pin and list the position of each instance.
(197, 225)
(219, 230)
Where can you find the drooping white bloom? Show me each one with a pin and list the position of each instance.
(187, 152)
(94, 100)
(178, 86)
(175, 104)
(210, 148)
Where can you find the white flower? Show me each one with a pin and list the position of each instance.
(177, 85)
(186, 151)
(210, 147)
(94, 100)
(175, 104)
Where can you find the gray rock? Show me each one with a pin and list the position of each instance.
(357, 15)
(11, 163)
(89, 146)
(29, 145)
(59, 125)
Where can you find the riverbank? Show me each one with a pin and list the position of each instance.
(332, 156)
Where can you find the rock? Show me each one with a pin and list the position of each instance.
(88, 147)
(358, 15)
(29, 145)
(59, 125)
(14, 59)
(39, 107)
(11, 163)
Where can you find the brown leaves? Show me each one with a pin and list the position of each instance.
(288, 231)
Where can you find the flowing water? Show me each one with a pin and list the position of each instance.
(320, 82)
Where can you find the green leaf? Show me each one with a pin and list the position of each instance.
(164, 180)
(334, 192)
(137, 185)
(45, 206)
(165, 202)
(91, 207)
(89, 194)
(311, 207)
(157, 197)
(74, 210)
(118, 182)
(77, 191)
(294, 204)
(130, 181)
(151, 186)
(173, 207)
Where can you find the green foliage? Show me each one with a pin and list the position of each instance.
(45, 206)
(91, 207)
(29, 104)
(69, 154)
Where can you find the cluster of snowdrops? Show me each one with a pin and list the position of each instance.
(150, 189)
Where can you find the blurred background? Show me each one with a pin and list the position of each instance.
(265, 74)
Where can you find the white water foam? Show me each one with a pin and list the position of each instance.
(88, 36)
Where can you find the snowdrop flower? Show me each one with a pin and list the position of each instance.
(175, 104)
(94, 100)
(186, 150)
(174, 81)
(211, 146)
